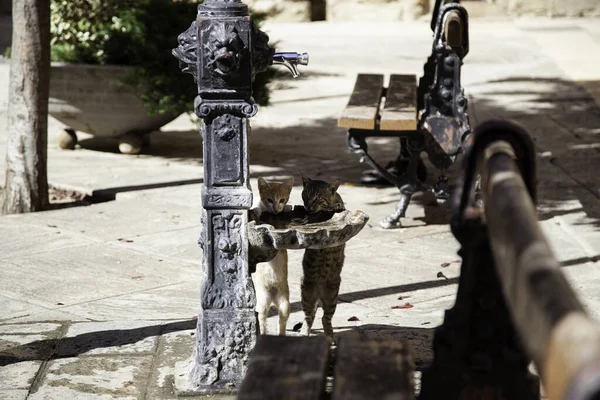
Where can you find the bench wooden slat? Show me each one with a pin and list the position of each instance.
(363, 106)
(373, 369)
(283, 367)
(400, 109)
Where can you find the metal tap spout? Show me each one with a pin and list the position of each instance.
(291, 61)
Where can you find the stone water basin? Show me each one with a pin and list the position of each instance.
(298, 229)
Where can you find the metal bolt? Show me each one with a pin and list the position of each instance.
(446, 94)
(448, 82)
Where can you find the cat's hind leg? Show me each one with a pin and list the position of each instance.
(263, 312)
(310, 296)
(284, 314)
(330, 300)
(263, 304)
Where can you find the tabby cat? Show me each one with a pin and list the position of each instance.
(321, 267)
(271, 278)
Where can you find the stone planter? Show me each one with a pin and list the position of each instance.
(91, 99)
(297, 230)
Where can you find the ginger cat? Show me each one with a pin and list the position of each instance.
(271, 279)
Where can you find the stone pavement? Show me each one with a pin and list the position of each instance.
(98, 301)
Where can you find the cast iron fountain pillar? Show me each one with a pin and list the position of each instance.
(224, 50)
(218, 48)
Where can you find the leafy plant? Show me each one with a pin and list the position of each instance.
(139, 33)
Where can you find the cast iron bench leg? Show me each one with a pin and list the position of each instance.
(393, 220)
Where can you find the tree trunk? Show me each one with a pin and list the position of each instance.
(318, 10)
(26, 187)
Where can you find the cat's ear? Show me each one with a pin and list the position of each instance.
(262, 184)
(335, 185)
(289, 183)
(305, 180)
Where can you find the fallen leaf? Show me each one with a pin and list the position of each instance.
(456, 261)
(441, 275)
(444, 265)
(403, 297)
(60, 304)
(125, 240)
(353, 319)
(297, 327)
(195, 318)
(138, 277)
(406, 305)
(128, 383)
(51, 226)
(425, 323)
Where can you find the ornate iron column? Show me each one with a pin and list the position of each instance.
(224, 50)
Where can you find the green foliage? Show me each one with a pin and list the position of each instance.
(8, 52)
(139, 33)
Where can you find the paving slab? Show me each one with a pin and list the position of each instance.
(23, 350)
(114, 337)
(173, 347)
(26, 329)
(174, 301)
(22, 239)
(106, 271)
(18, 375)
(15, 308)
(32, 315)
(95, 378)
(14, 394)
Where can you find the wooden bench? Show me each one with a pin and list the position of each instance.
(428, 116)
(399, 99)
(297, 368)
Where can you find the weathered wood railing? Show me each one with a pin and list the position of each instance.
(513, 306)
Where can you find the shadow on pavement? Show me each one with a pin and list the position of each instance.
(564, 120)
(52, 349)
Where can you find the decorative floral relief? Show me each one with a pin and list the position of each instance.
(187, 51)
(225, 349)
(228, 285)
(225, 128)
(224, 49)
